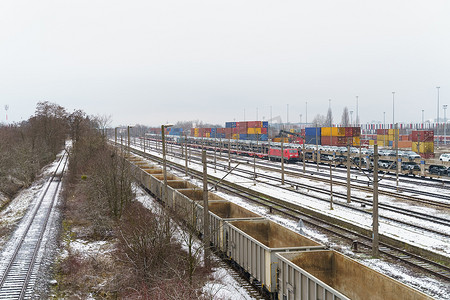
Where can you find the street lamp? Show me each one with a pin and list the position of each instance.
(384, 129)
(163, 131)
(437, 119)
(445, 123)
(393, 99)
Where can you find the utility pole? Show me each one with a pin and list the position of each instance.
(282, 161)
(186, 154)
(115, 135)
(397, 164)
(206, 230)
(331, 186)
(229, 154)
(349, 200)
(375, 242)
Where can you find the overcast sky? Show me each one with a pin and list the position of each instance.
(149, 62)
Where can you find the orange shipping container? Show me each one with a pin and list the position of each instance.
(405, 144)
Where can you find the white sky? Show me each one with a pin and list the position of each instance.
(149, 62)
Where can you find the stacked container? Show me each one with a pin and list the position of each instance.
(423, 142)
(313, 135)
(175, 131)
(340, 136)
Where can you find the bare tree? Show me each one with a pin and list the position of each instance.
(329, 119)
(319, 121)
(345, 121)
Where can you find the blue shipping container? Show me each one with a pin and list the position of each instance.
(264, 137)
(313, 131)
(311, 139)
(230, 124)
(265, 124)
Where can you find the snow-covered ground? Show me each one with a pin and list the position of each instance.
(433, 242)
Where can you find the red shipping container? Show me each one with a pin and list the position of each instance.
(242, 130)
(254, 124)
(356, 131)
(329, 140)
(228, 130)
(422, 136)
(263, 130)
(192, 131)
(382, 131)
(348, 131)
(343, 141)
(234, 130)
(303, 132)
(241, 125)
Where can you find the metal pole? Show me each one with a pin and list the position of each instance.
(186, 154)
(375, 252)
(356, 120)
(115, 135)
(306, 114)
(206, 232)
(331, 186)
(164, 164)
(128, 138)
(396, 153)
(437, 119)
(229, 154)
(393, 109)
(445, 123)
(282, 161)
(304, 155)
(349, 200)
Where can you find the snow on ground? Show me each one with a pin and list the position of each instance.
(222, 285)
(410, 235)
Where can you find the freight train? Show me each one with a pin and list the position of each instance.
(282, 263)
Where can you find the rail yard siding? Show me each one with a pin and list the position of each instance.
(313, 274)
(253, 244)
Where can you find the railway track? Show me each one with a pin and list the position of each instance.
(21, 264)
(362, 184)
(293, 211)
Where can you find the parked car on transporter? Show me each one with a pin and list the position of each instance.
(445, 157)
(439, 170)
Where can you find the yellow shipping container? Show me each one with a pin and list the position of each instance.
(292, 130)
(380, 143)
(391, 137)
(254, 130)
(235, 136)
(392, 131)
(340, 131)
(371, 142)
(382, 137)
(208, 134)
(326, 131)
(356, 141)
(423, 147)
(196, 130)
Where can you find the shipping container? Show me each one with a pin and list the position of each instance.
(405, 144)
(329, 131)
(254, 124)
(340, 131)
(312, 139)
(264, 137)
(235, 136)
(356, 141)
(423, 147)
(313, 131)
(371, 142)
(328, 274)
(241, 125)
(263, 130)
(230, 124)
(329, 140)
(252, 244)
(344, 140)
(254, 130)
(242, 130)
(382, 131)
(265, 124)
(422, 136)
